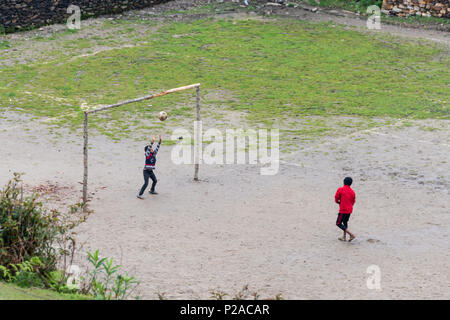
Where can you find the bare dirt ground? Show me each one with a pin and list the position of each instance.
(275, 233)
(236, 227)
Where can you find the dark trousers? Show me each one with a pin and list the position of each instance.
(342, 221)
(148, 173)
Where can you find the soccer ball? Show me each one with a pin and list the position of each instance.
(162, 116)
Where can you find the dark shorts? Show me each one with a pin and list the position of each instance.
(342, 220)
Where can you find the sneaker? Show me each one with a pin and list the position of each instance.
(153, 192)
(139, 197)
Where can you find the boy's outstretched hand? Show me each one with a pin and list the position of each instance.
(160, 139)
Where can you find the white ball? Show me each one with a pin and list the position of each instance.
(162, 116)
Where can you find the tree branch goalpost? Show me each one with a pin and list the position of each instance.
(148, 97)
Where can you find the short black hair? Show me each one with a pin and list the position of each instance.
(348, 181)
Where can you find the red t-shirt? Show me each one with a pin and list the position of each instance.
(345, 196)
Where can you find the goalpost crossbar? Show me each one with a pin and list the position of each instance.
(197, 85)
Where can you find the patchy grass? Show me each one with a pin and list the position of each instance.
(415, 20)
(274, 70)
(12, 292)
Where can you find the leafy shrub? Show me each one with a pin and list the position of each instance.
(4, 44)
(37, 246)
(32, 239)
(23, 274)
(104, 282)
(25, 230)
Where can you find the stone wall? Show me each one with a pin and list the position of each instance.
(20, 14)
(426, 8)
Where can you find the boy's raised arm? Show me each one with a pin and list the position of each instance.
(147, 153)
(159, 144)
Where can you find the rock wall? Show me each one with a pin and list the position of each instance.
(426, 8)
(21, 14)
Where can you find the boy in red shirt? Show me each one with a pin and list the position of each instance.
(345, 197)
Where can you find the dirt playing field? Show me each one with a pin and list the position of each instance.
(275, 233)
(235, 227)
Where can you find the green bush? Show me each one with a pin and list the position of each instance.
(26, 231)
(37, 246)
(23, 274)
(33, 240)
(355, 5)
(4, 44)
(103, 281)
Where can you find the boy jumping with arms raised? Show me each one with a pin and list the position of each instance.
(345, 197)
(150, 162)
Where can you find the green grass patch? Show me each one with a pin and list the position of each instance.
(12, 292)
(415, 20)
(271, 68)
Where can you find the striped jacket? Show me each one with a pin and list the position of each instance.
(150, 158)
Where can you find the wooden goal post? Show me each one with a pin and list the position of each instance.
(86, 120)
